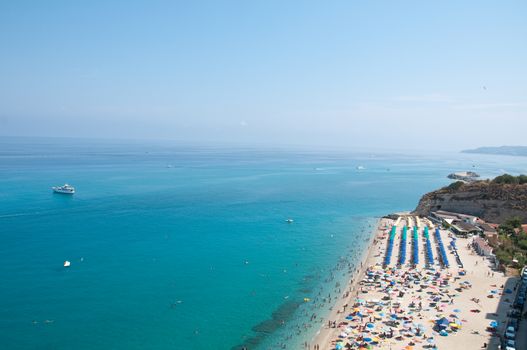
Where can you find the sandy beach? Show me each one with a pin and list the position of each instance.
(419, 306)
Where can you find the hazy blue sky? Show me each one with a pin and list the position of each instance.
(411, 74)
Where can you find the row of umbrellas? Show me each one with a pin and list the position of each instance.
(389, 249)
(416, 246)
(429, 254)
(442, 251)
(402, 256)
(415, 252)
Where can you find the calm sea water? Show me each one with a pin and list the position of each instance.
(179, 247)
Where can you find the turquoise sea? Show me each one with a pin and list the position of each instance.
(186, 247)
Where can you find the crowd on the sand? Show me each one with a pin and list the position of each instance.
(403, 307)
(373, 321)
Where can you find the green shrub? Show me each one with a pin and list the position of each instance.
(455, 185)
(509, 179)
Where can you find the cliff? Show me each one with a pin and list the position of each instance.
(493, 202)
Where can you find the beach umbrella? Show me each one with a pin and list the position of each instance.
(457, 310)
(494, 324)
(370, 325)
(443, 322)
(443, 333)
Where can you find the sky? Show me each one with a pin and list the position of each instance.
(378, 74)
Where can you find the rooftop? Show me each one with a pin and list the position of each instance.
(463, 226)
(486, 227)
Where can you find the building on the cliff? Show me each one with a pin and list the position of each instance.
(489, 232)
(440, 217)
(447, 217)
(464, 229)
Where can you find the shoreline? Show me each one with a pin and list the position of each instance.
(295, 328)
(322, 336)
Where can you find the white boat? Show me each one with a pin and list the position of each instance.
(67, 263)
(66, 189)
(360, 167)
(289, 221)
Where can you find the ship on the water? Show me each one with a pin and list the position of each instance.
(66, 189)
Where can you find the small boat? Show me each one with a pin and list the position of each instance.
(67, 263)
(289, 221)
(360, 167)
(66, 189)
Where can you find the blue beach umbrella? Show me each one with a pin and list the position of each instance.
(443, 323)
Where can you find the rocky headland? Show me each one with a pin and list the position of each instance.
(492, 200)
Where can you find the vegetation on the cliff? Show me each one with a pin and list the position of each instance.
(512, 247)
(511, 180)
(455, 185)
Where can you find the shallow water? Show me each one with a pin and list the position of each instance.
(193, 254)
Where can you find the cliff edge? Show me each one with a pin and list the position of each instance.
(489, 200)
